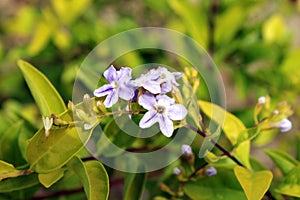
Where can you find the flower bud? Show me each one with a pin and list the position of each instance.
(262, 100)
(48, 122)
(186, 150)
(176, 171)
(211, 171)
(285, 125)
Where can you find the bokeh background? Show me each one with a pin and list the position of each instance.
(254, 43)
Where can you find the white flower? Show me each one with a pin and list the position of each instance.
(285, 125)
(176, 171)
(161, 109)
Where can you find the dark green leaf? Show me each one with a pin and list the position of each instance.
(19, 183)
(134, 186)
(290, 184)
(93, 177)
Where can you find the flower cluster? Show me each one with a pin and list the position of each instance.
(153, 88)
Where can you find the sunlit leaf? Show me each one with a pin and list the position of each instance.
(274, 29)
(228, 23)
(49, 179)
(255, 184)
(134, 186)
(290, 184)
(231, 126)
(18, 183)
(283, 161)
(223, 185)
(194, 18)
(45, 95)
(93, 177)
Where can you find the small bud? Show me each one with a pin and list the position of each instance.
(285, 125)
(101, 107)
(71, 105)
(275, 112)
(211, 171)
(261, 100)
(186, 150)
(176, 171)
(48, 122)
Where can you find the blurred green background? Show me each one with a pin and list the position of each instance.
(254, 43)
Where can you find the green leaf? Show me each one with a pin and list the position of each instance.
(49, 179)
(49, 154)
(223, 185)
(19, 183)
(255, 184)
(9, 147)
(134, 186)
(8, 170)
(43, 92)
(282, 160)
(93, 177)
(290, 184)
(231, 126)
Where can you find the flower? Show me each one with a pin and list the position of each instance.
(161, 109)
(176, 171)
(211, 171)
(119, 86)
(285, 125)
(158, 81)
(186, 150)
(48, 122)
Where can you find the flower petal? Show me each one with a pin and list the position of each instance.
(166, 87)
(152, 87)
(177, 112)
(124, 74)
(164, 100)
(166, 125)
(150, 118)
(147, 101)
(126, 92)
(110, 74)
(111, 99)
(103, 90)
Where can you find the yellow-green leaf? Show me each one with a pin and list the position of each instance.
(93, 177)
(49, 154)
(283, 161)
(290, 184)
(230, 124)
(43, 92)
(50, 178)
(8, 170)
(223, 185)
(255, 184)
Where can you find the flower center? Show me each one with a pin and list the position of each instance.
(160, 109)
(114, 84)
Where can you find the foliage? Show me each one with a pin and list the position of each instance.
(251, 43)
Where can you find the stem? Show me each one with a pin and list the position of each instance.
(227, 153)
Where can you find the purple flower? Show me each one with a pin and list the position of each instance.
(211, 171)
(186, 150)
(158, 81)
(119, 86)
(161, 109)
